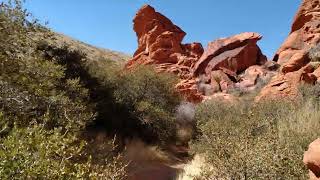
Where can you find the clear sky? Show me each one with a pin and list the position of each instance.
(108, 23)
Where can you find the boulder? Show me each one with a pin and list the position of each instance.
(316, 73)
(298, 60)
(235, 54)
(190, 90)
(250, 77)
(312, 160)
(293, 54)
(304, 31)
(220, 79)
(227, 58)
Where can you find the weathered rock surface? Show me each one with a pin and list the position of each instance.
(224, 61)
(286, 85)
(255, 76)
(293, 54)
(202, 73)
(312, 160)
(235, 54)
(160, 44)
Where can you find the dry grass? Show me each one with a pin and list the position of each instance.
(261, 141)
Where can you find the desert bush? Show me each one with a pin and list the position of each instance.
(150, 98)
(43, 108)
(314, 53)
(35, 89)
(310, 93)
(136, 102)
(36, 153)
(260, 141)
(51, 95)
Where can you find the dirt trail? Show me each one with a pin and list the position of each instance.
(151, 163)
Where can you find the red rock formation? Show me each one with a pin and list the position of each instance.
(293, 54)
(286, 85)
(160, 44)
(235, 54)
(312, 160)
(202, 74)
(252, 75)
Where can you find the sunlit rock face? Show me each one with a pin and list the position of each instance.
(235, 54)
(312, 160)
(219, 68)
(293, 54)
(229, 63)
(160, 44)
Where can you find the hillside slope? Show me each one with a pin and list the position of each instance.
(92, 53)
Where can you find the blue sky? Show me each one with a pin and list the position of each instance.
(108, 23)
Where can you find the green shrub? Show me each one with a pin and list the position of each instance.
(44, 106)
(137, 102)
(35, 89)
(310, 93)
(50, 95)
(36, 153)
(261, 141)
(150, 99)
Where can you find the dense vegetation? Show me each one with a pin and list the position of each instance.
(53, 99)
(263, 140)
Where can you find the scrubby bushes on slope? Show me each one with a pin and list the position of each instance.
(33, 89)
(43, 110)
(53, 96)
(151, 99)
(137, 102)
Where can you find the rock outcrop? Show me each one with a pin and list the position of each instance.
(233, 54)
(312, 160)
(226, 64)
(160, 44)
(293, 55)
(218, 69)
